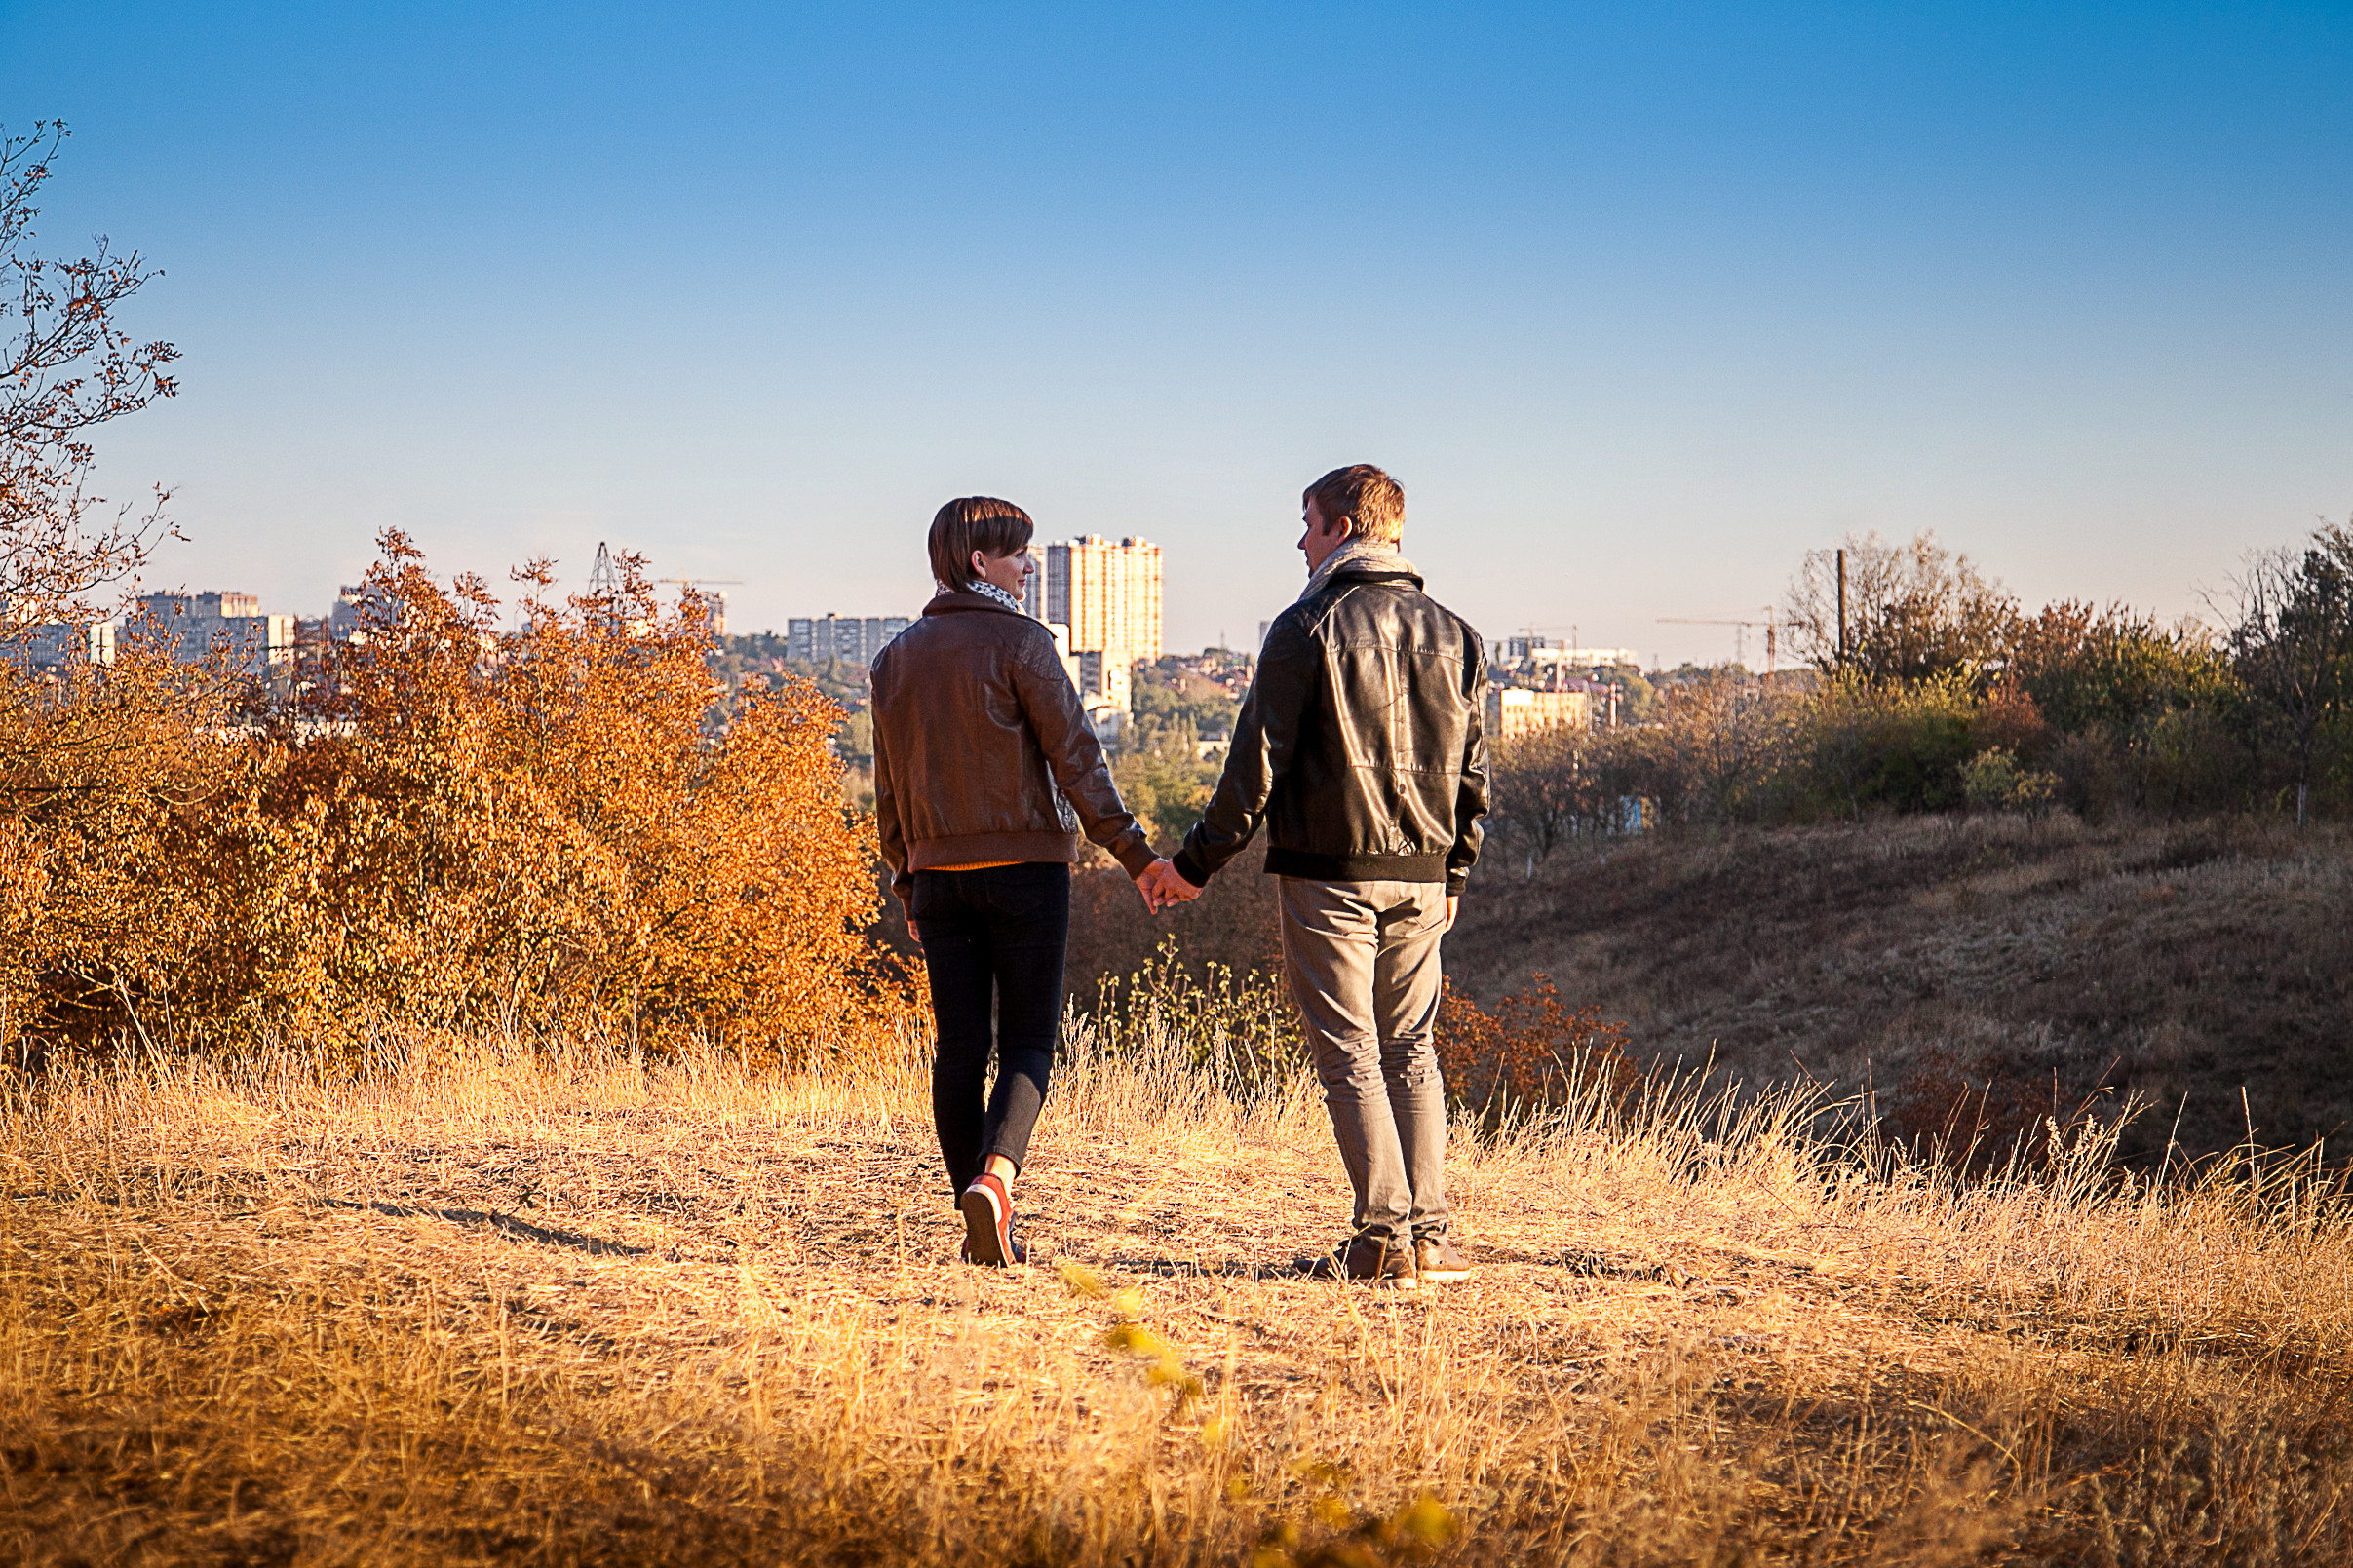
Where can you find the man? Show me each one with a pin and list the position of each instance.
(1360, 748)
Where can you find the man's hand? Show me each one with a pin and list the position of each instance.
(1163, 885)
(1454, 909)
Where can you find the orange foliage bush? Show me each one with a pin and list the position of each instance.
(102, 774)
(1531, 1052)
(548, 828)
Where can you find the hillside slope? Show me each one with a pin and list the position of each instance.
(2008, 962)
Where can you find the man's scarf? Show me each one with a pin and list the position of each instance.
(1371, 555)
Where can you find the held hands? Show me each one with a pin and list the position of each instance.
(1164, 885)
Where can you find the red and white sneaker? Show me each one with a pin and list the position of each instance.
(987, 1209)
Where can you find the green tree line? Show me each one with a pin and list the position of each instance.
(1932, 689)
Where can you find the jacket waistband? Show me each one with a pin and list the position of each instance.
(963, 848)
(1356, 867)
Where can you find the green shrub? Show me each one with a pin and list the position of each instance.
(1993, 781)
(1868, 743)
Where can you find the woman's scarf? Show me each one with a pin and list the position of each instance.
(989, 590)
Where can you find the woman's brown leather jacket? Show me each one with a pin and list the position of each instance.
(982, 751)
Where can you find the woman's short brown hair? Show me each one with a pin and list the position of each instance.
(1362, 492)
(979, 522)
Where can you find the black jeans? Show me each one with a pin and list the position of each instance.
(996, 934)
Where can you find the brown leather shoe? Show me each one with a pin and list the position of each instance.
(987, 1209)
(1437, 1257)
(1377, 1261)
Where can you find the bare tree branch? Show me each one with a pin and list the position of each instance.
(1912, 610)
(67, 367)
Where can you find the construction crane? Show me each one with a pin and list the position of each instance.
(1740, 636)
(704, 582)
(606, 578)
(1569, 627)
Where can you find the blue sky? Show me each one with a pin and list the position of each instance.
(1639, 302)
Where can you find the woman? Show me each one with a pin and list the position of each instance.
(986, 770)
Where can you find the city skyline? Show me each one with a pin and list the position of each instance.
(1123, 619)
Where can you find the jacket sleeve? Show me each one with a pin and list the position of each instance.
(1266, 737)
(890, 827)
(1075, 757)
(1471, 793)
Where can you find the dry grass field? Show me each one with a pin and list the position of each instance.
(489, 1305)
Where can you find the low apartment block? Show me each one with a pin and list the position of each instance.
(849, 639)
(1515, 710)
(188, 627)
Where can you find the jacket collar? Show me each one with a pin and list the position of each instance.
(957, 600)
(1366, 560)
(1352, 573)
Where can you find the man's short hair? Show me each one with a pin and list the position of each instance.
(972, 523)
(1364, 493)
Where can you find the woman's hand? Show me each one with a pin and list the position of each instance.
(1163, 885)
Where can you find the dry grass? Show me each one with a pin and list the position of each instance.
(487, 1305)
(2202, 967)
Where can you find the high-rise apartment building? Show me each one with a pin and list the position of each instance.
(711, 609)
(1108, 596)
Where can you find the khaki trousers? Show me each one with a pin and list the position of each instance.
(1362, 961)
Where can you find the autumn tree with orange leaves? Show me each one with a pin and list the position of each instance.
(465, 826)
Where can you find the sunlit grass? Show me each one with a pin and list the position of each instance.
(482, 1302)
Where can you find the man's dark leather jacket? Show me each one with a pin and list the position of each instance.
(1361, 745)
(981, 750)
